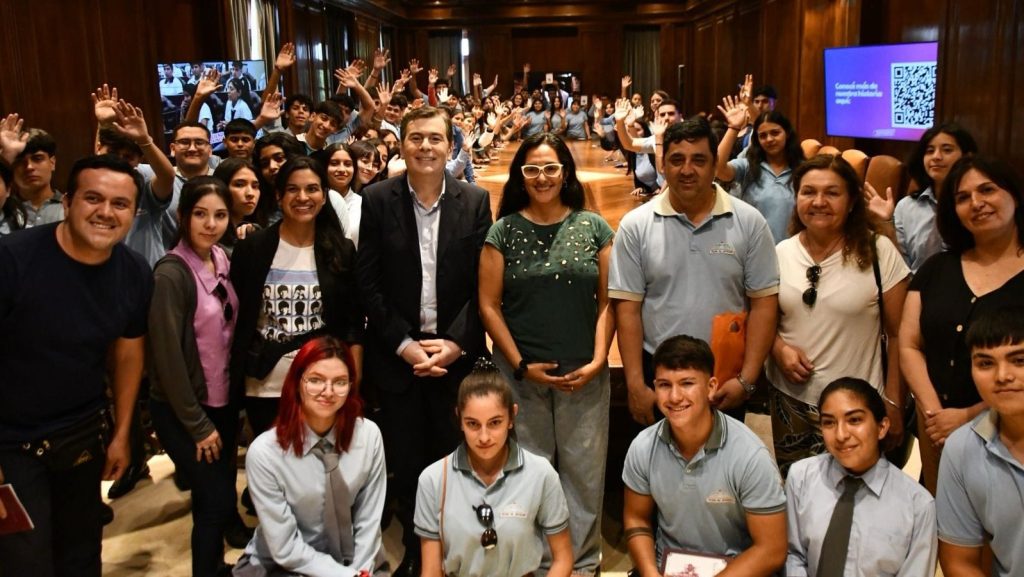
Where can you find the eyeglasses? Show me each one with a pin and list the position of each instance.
(532, 171)
(485, 514)
(317, 385)
(189, 142)
(222, 295)
(811, 294)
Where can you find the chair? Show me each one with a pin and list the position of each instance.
(858, 160)
(885, 172)
(829, 150)
(810, 147)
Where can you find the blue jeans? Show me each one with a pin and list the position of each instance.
(213, 484)
(570, 429)
(64, 505)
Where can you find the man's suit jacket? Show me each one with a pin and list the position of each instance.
(390, 273)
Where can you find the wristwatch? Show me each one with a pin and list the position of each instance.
(749, 388)
(520, 371)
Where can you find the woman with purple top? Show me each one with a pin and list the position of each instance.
(191, 326)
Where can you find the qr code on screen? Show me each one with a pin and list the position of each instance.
(913, 94)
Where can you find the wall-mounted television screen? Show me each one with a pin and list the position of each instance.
(240, 95)
(885, 91)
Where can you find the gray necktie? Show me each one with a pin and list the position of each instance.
(337, 516)
(834, 547)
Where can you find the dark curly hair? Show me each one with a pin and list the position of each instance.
(514, 197)
(915, 161)
(756, 155)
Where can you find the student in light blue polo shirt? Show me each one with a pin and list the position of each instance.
(486, 509)
(707, 477)
(981, 475)
(688, 255)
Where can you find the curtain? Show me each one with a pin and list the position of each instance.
(239, 46)
(444, 50)
(265, 29)
(641, 59)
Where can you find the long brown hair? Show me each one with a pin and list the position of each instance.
(859, 231)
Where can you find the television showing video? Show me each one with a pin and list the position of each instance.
(242, 84)
(885, 91)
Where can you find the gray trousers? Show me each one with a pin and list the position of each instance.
(571, 431)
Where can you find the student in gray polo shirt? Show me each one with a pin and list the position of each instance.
(690, 254)
(981, 474)
(485, 509)
(708, 477)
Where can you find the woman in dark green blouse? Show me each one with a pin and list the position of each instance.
(544, 302)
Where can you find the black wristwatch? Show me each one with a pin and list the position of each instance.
(520, 371)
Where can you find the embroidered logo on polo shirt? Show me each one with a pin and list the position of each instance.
(720, 497)
(722, 248)
(512, 511)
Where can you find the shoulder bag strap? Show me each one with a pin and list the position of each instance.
(881, 315)
(444, 493)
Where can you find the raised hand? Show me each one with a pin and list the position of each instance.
(209, 83)
(12, 139)
(492, 119)
(272, 106)
(356, 69)
(103, 102)
(880, 206)
(735, 112)
(384, 93)
(131, 123)
(451, 71)
(346, 78)
(747, 89)
(286, 57)
(526, 70)
(477, 81)
(626, 81)
(622, 109)
(381, 58)
(442, 94)
(658, 126)
(403, 78)
(432, 76)
(414, 67)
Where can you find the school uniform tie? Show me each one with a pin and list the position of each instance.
(836, 544)
(337, 516)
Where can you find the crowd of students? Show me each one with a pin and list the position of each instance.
(335, 275)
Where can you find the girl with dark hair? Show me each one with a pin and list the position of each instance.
(544, 302)
(12, 217)
(191, 325)
(536, 118)
(892, 530)
(490, 484)
(929, 163)
(981, 220)
(305, 250)
(244, 185)
(347, 204)
(317, 478)
(368, 164)
(763, 173)
(556, 116)
(841, 287)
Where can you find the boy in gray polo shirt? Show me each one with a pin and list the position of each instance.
(981, 475)
(711, 480)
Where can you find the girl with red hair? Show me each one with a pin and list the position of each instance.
(317, 476)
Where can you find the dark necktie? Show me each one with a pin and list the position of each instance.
(834, 547)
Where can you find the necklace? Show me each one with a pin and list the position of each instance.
(831, 249)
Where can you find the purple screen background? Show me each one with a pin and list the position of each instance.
(869, 117)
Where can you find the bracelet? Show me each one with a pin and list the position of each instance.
(148, 144)
(636, 532)
(750, 389)
(891, 402)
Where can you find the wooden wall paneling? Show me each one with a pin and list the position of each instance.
(600, 57)
(726, 76)
(780, 45)
(748, 56)
(703, 65)
(546, 49)
(683, 44)
(491, 54)
(825, 24)
(1014, 150)
(667, 48)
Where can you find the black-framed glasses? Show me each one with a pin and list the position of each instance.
(811, 294)
(221, 292)
(485, 514)
(531, 171)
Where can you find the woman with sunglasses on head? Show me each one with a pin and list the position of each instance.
(544, 302)
(191, 325)
(486, 509)
(295, 281)
(841, 285)
(317, 478)
(981, 220)
(892, 523)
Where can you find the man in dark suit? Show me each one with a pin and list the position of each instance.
(420, 241)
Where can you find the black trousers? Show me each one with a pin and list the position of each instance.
(213, 484)
(64, 505)
(419, 428)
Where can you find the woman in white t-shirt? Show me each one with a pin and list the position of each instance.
(832, 320)
(295, 280)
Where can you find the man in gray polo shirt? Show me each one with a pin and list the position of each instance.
(981, 476)
(710, 479)
(690, 254)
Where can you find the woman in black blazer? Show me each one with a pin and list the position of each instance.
(295, 280)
